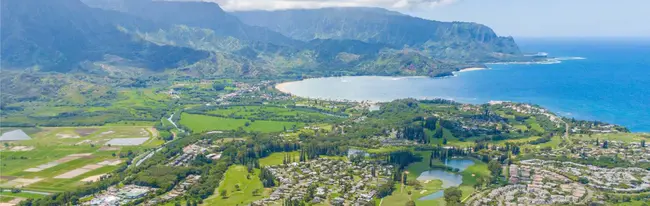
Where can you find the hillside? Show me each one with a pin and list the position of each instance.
(457, 40)
(204, 15)
(58, 35)
(79, 51)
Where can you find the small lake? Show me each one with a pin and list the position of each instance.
(448, 179)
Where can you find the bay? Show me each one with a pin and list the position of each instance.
(594, 79)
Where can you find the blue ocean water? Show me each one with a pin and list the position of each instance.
(611, 83)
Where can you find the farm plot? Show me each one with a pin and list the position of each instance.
(20, 182)
(93, 178)
(57, 162)
(49, 162)
(86, 169)
(127, 141)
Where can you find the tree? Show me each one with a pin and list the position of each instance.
(224, 193)
(385, 189)
(15, 190)
(495, 169)
(642, 143)
(219, 86)
(257, 192)
(479, 183)
(453, 195)
(444, 141)
(605, 144)
(410, 203)
(583, 180)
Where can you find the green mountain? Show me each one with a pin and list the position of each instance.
(193, 14)
(58, 35)
(451, 40)
(86, 49)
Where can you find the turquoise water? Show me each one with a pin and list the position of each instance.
(611, 83)
(448, 179)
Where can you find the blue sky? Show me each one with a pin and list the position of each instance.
(550, 18)
(520, 18)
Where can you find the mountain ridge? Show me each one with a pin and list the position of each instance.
(374, 25)
(51, 35)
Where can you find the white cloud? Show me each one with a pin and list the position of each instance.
(239, 5)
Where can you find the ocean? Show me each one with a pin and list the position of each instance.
(602, 79)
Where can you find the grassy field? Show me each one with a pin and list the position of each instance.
(417, 168)
(237, 175)
(471, 174)
(55, 145)
(277, 158)
(127, 104)
(532, 122)
(624, 137)
(203, 123)
(271, 111)
(19, 195)
(400, 196)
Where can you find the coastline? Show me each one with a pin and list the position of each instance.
(472, 69)
(282, 86)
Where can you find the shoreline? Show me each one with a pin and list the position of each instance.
(282, 86)
(472, 69)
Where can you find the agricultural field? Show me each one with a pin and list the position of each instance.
(203, 123)
(60, 158)
(132, 107)
(242, 187)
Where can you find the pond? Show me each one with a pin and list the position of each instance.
(449, 179)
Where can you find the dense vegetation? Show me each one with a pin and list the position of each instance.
(104, 45)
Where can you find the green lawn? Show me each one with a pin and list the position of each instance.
(20, 194)
(277, 158)
(400, 196)
(417, 168)
(624, 137)
(204, 123)
(521, 127)
(532, 122)
(237, 175)
(471, 174)
(5, 198)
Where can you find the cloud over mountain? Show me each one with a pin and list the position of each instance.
(239, 5)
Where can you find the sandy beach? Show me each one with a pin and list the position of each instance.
(281, 88)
